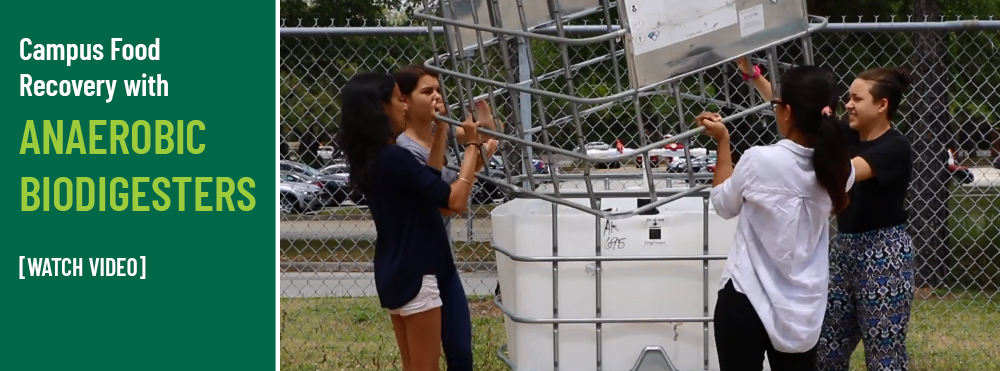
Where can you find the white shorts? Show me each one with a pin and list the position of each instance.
(428, 298)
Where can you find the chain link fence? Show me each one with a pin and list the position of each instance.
(331, 320)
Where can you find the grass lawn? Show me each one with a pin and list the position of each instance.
(953, 333)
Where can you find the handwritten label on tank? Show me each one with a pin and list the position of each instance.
(654, 231)
(611, 241)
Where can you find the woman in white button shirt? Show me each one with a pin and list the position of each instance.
(774, 292)
(871, 260)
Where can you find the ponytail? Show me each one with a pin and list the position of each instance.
(812, 94)
(831, 161)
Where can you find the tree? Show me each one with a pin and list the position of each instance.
(929, 119)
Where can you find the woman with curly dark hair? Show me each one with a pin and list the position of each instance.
(405, 198)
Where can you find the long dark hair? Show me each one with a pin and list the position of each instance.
(808, 90)
(365, 127)
(887, 83)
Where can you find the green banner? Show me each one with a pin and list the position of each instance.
(139, 204)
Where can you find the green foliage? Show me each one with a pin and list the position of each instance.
(974, 238)
(313, 69)
(336, 13)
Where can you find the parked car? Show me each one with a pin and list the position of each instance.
(669, 153)
(336, 185)
(485, 192)
(708, 169)
(336, 169)
(601, 149)
(327, 152)
(298, 197)
(960, 173)
(331, 192)
(680, 165)
(538, 166)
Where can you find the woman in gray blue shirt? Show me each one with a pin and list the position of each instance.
(405, 198)
(421, 89)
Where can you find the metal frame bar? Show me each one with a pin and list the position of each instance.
(305, 32)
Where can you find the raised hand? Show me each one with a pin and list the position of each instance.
(439, 105)
(471, 130)
(713, 125)
(490, 147)
(744, 64)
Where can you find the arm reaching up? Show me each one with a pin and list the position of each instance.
(759, 81)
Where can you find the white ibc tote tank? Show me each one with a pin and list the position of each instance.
(629, 289)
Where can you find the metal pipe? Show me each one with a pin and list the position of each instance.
(687, 142)
(807, 52)
(507, 361)
(418, 14)
(559, 321)
(772, 56)
(629, 176)
(619, 194)
(611, 215)
(974, 25)
(603, 258)
(967, 25)
(591, 159)
(598, 268)
(704, 277)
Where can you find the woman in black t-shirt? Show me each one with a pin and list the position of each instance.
(871, 259)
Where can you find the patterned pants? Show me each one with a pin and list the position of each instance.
(871, 290)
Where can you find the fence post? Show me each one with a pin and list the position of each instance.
(524, 74)
(929, 191)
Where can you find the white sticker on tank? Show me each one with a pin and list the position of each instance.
(670, 22)
(654, 231)
(751, 20)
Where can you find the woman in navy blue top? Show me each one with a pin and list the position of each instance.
(405, 198)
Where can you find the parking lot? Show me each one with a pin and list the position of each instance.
(334, 223)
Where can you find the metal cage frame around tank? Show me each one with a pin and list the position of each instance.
(650, 356)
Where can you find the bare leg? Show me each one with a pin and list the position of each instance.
(423, 334)
(399, 327)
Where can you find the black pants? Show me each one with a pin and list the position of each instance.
(456, 323)
(741, 339)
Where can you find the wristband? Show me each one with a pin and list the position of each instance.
(756, 73)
